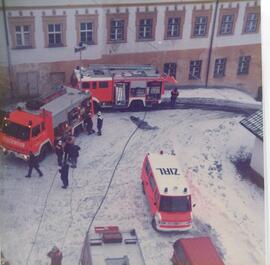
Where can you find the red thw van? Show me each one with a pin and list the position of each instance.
(195, 251)
(167, 193)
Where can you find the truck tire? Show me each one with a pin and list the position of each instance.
(154, 224)
(136, 105)
(43, 152)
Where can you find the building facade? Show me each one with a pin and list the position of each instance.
(203, 43)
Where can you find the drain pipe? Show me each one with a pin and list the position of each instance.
(8, 50)
(211, 44)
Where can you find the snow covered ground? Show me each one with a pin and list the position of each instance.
(37, 214)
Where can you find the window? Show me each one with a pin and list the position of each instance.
(85, 85)
(200, 27)
(195, 70)
(227, 24)
(86, 28)
(22, 32)
(173, 29)
(152, 182)
(117, 30)
(103, 84)
(220, 66)
(55, 35)
(94, 85)
(145, 29)
(175, 204)
(36, 131)
(86, 32)
(147, 167)
(16, 130)
(251, 23)
(170, 69)
(243, 65)
(23, 36)
(54, 31)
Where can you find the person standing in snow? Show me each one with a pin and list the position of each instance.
(33, 163)
(99, 123)
(74, 154)
(64, 174)
(67, 148)
(174, 95)
(88, 124)
(56, 256)
(59, 150)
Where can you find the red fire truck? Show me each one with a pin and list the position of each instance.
(122, 86)
(25, 130)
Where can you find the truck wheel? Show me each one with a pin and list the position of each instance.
(43, 152)
(154, 224)
(136, 105)
(143, 190)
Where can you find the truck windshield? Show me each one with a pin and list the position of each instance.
(16, 130)
(175, 204)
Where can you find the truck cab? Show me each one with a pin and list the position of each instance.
(195, 251)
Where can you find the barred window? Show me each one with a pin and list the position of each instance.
(227, 24)
(220, 67)
(251, 23)
(195, 70)
(243, 65)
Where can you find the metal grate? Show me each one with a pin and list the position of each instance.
(254, 123)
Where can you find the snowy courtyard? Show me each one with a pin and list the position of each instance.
(36, 213)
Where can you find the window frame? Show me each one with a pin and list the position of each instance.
(14, 22)
(103, 84)
(252, 10)
(55, 33)
(123, 17)
(86, 31)
(197, 68)
(224, 12)
(172, 69)
(220, 67)
(86, 18)
(117, 30)
(180, 14)
(146, 16)
(243, 65)
(226, 27)
(55, 20)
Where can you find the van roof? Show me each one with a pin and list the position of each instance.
(168, 174)
(200, 251)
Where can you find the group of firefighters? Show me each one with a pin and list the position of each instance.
(68, 152)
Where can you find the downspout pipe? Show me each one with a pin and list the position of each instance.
(8, 50)
(211, 45)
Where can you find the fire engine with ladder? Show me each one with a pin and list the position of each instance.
(122, 86)
(38, 128)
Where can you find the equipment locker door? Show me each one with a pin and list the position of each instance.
(121, 94)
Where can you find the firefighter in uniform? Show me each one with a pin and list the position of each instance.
(59, 150)
(33, 163)
(99, 123)
(174, 95)
(56, 256)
